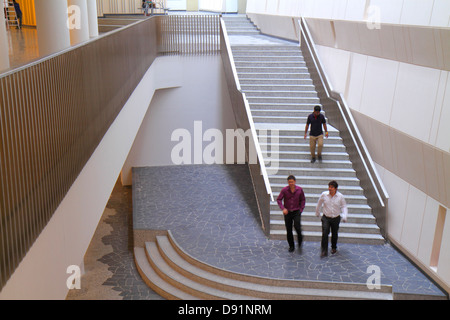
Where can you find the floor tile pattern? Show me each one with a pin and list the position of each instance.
(212, 213)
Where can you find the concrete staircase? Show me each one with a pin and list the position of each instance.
(174, 274)
(239, 25)
(281, 95)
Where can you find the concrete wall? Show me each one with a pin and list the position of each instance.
(390, 60)
(42, 274)
(201, 104)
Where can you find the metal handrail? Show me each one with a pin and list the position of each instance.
(344, 111)
(244, 120)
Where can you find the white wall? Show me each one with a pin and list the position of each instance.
(202, 97)
(396, 96)
(175, 92)
(176, 4)
(412, 12)
(65, 239)
(218, 5)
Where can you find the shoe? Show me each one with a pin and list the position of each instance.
(291, 249)
(319, 158)
(324, 254)
(333, 251)
(313, 160)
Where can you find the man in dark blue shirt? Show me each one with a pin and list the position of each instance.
(292, 201)
(18, 13)
(316, 120)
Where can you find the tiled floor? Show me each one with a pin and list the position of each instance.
(211, 212)
(23, 46)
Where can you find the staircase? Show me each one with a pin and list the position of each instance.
(281, 95)
(174, 274)
(11, 16)
(239, 25)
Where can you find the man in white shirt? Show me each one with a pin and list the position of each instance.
(334, 208)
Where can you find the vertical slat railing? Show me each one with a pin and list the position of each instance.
(53, 114)
(188, 34)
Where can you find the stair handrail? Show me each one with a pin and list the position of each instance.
(239, 97)
(306, 40)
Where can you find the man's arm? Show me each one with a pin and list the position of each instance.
(344, 209)
(302, 201)
(280, 200)
(324, 122)
(306, 129)
(326, 130)
(319, 205)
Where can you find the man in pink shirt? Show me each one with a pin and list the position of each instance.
(294, 203)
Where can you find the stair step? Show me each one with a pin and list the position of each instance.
(273, 58)
(183, 283)
(274, 81)
(280, 100)
(191, 274)
(347, 227)
(373, 239)
(306, 163)
(306, 155)
(273, 69)
(275, 87)
(249, 74)
(281, 94)
(254, 289)
(320, 181)
(364, 218)
(298, 140)
(337, 173)
(154, 281)
(274, 146)
(311, 202)
(269, 64)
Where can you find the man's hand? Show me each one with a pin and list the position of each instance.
(285, 211)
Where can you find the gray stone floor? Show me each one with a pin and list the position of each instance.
(211, 211)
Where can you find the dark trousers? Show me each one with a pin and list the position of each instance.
(293, 218)
(327, 225)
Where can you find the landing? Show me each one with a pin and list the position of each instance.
(212, 213)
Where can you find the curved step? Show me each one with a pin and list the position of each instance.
(177, 280)
(185, 273)
(154, 281)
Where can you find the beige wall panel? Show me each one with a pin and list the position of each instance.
(397, 189)
(415, 100)
(322, 31)
(439, 15)
(381, 76)
(347, 36)
(439, 110)
(369, 40)
(416, 12)
(431, 172)
(445, 40)
(443, 134)
(428, 230)
(443, 268)
(415, 207)
(355, 84)
(409, 156)
(446, 169)
(387, 42)
(423, 46)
